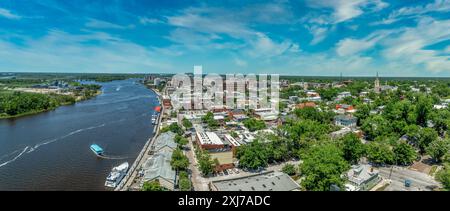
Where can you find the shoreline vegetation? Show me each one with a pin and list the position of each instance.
(15, 104)
(25, 94)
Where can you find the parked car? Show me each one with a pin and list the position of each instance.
(408, 183)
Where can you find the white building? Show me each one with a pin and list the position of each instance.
(266, 114)
(208, 138)
(343, 95)
(362, 178)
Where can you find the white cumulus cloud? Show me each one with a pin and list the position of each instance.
(8, 14)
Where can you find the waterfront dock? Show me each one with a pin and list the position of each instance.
(133, 173)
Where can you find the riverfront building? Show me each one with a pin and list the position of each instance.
(270, 181)
(157, 167)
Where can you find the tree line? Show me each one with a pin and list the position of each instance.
(19, 103)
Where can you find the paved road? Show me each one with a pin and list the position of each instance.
(420, 181)
(198, 182)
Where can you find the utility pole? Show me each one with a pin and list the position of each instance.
(390, 173)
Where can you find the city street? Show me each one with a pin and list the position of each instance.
(419, 181)
(198, 182)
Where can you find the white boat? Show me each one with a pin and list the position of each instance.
(154, 118)
(116, 175)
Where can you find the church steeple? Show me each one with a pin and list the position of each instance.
(377, 87)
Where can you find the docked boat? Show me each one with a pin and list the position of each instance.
(154, 118)
(97, 149)
(116, 175)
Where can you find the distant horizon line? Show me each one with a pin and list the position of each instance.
(281, 75)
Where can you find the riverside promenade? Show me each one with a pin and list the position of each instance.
(129, 179)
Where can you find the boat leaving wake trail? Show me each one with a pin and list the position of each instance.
(15, 158)
(112, 157)
(8, 155)
(29, 149)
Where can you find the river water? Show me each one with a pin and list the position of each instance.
(50, 151)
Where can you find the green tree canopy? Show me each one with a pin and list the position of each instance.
(423, 107)
(353, 148)
(427, 136)
(312, 113)
(380, 153)
(210, 121)
(181, 141)
(187, 124)
(441, 119)
(253, 124)
(152, 186)
(179, 160)
(206, 165)
(443, 176)
(362, 113)
(398, 111)
(185, 183)
(253, 155)
(289, 169)
(442, 89)
(234, 134)
(307, 130)
(328, 94)
(438, 148)
(421, 137)
(376, 126)
(278, 149)
(322, 167)
(404, 153)
(174, 128)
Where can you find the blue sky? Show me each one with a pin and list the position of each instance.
(308, 37)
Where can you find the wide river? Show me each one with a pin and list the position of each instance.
(50, 151)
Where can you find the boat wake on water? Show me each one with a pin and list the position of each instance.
(112, 157)
(8, 155)
(99, 152)
(15, 158)
(28, 149)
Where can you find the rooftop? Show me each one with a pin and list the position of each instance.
(232, 140)
(361, 173)
(270, 181)
(96, 148)
(307, 104)
(345, 118)
(163, 140)
(209, 138)
(158, 166)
